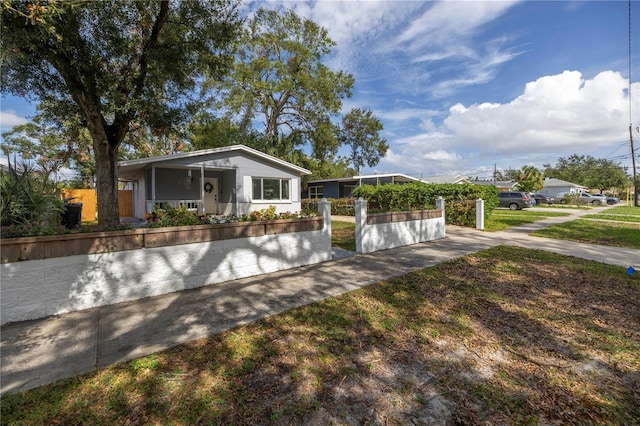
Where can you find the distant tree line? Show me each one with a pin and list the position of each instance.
(600, 174)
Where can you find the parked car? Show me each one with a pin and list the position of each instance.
(612, 200)
(515, 200)
(544, 199)
(597, 199)
(582, 198)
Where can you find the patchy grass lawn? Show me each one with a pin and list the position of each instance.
(505, 219)
(620, 213)
(343, 235)
(620, 234)
(504, 336)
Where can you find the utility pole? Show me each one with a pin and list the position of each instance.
(633, 164)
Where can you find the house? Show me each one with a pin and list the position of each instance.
(502, 185)
(343, 187)
(232, 180)
(552, 186)
(446, 179)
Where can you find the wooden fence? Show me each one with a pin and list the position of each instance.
(90, 202)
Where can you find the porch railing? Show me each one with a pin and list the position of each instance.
(191, 205)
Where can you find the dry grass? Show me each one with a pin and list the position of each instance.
(505, 336)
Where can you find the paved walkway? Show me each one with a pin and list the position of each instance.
(38, 352)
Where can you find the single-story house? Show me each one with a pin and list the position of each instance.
(552, 186)
(502, 185)
(343, 187)
(446, 179)
(232, 180)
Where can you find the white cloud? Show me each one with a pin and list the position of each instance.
(554, 112)
(9, 119)
(556, 115)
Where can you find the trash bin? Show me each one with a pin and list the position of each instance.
(72, 215)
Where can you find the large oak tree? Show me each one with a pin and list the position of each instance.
(279, 79)
(115, 63)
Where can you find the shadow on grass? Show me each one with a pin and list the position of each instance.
(508, 335)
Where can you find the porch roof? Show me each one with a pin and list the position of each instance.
(128, 166)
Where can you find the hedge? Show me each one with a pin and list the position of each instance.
(459, 199)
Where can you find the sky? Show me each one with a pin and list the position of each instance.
(463, 87)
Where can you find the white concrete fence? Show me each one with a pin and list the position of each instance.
(38, 288)
(388, 230)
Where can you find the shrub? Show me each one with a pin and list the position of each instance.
(181, 216)
(418, 195)
(29, 201)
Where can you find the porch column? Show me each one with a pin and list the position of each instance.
(204, 210)
(153, 187)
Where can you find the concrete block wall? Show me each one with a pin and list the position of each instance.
(40, 288)
(382, 236)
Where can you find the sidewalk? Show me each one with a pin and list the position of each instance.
(38, 352)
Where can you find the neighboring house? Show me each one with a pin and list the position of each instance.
(552, 186)
(343, 187)
(502, 185)
(446, 179)
(231, 180)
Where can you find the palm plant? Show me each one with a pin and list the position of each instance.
(28, 197)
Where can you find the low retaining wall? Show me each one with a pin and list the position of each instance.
(381, 231)
(68, 273)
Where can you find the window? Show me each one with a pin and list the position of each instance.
(270, 189)
(348, 190)
(316, 192)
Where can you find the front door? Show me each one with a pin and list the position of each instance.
(211, 195)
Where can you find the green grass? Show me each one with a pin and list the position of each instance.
(620, 214)
(505, 219)
(343, 235)
(594, 232)
(500, 337)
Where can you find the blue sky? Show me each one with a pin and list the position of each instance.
(461, 86)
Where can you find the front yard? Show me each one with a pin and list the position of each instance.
(497, 337)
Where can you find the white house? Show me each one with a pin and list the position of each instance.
(552, 186)
(229, 180)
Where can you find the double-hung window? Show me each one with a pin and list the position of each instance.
(270, 189)
(316, 192)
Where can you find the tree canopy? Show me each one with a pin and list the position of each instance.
(601, 174)
(286, 102)
(361, 133)
(116, 63)
(529, 178)
(279, 78)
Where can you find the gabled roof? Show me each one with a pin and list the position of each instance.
(550, 182)
(142, 162)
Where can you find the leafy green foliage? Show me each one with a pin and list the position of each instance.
(168, 216)
(529, 179)
(115, 64)
(600, 173)
(459, 199)
(29, 200)
(361, 133)
(181, 216)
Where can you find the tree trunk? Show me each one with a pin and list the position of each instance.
(106, 181)
(106, 156)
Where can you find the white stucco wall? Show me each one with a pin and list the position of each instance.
(370, 238)
(39, 288)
